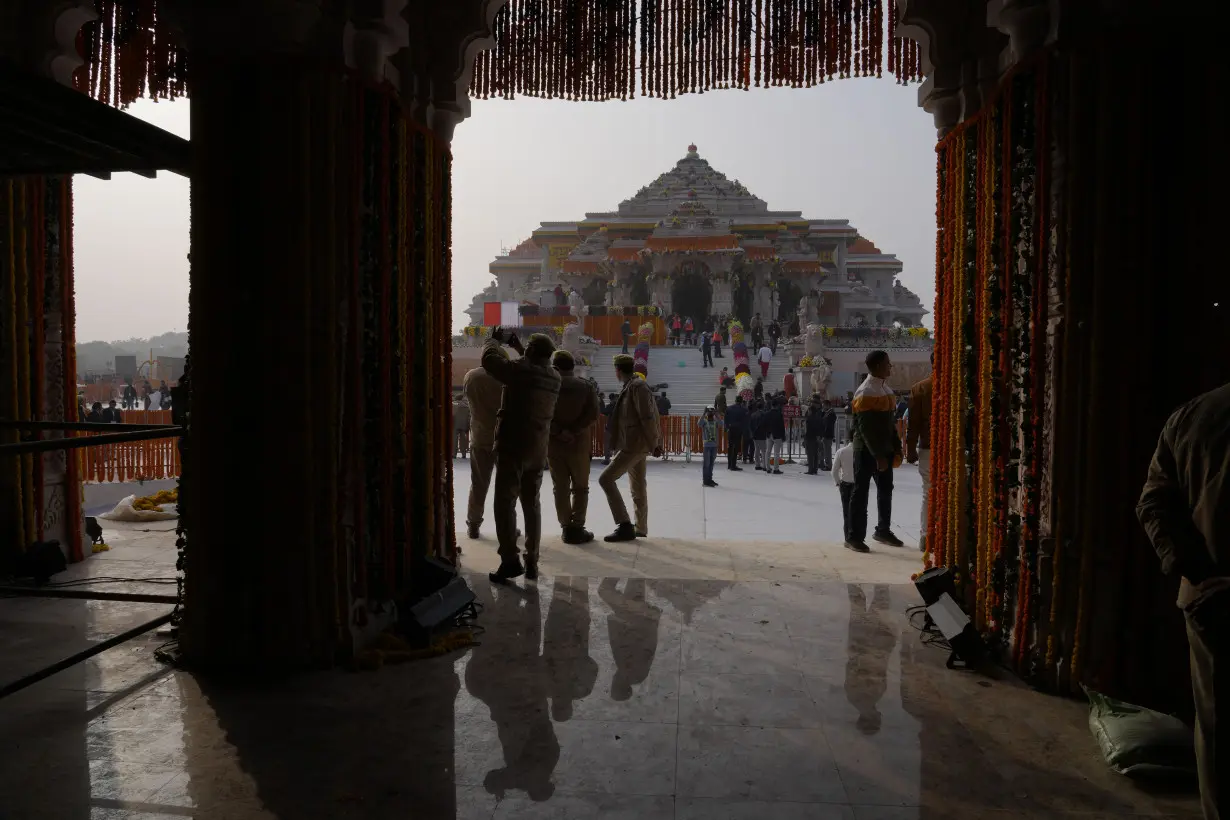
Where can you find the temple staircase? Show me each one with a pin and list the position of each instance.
(691, 387)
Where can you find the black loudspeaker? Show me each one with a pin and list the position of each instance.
(41, 561)
(939, 592)
(934, 583)
(440, 595)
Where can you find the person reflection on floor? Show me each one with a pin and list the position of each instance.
(506, 673)
(569, 670)
(633, 628)
(871, 642)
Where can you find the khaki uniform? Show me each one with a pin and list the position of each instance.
(483, 392)
(635, 433)
(571, 449)
(531, 387)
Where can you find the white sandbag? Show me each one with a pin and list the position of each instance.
(124, 511)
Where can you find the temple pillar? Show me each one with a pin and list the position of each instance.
(266, 574)
(40, 495)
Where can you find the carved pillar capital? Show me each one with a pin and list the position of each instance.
(257, 27)
(1028, 24)
(376, 32)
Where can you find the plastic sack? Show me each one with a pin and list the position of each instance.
(124, 511)
(1140, 742)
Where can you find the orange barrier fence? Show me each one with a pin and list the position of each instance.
(132, 460)
(680, 434)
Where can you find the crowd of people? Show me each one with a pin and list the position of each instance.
(150, 398)
(533, 414)
(519, 418)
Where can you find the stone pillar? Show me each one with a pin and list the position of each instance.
(267, 584)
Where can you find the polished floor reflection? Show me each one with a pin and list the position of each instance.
(588, 697)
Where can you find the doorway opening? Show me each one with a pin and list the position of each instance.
(691, 292)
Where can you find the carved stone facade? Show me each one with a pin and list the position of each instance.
(696, 242)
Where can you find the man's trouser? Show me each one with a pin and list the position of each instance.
(846, 488)
(812, 446)
(517, 477)
(775, 454)
(482, 462)
(634, 465)
(625, 347)
(734, 448)
(710, 456)
(764, 370)
(707, 357)
(924, 471)
(569, 464)
(749, 448)
(762, 452)
(1208, 634)
(864, 473)
(826, 454)
(463, 441)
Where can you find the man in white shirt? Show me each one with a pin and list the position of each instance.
(843, 477)
(764, 357)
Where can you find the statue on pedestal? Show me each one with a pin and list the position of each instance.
(813, 341)
(821, 375)
(576, 306)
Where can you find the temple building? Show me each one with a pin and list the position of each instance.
(695, 242)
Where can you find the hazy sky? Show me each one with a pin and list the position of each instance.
(854, 149)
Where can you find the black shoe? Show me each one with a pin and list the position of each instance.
(758, 467)
(584, 536)
(531, 569)
(776, 471)
(710, 483)
(623, 532)
(737, 469)
(810, 472)
(887, 537)
(857, 546)
(507, 571)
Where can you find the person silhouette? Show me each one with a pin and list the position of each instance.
(871, 642)
(633, 629)
(506, 673)
(569, 671)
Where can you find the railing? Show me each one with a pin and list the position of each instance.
(882, 337)
(132, 460)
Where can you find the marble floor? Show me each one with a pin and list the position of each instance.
(678, 677)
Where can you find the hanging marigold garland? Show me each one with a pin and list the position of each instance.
(129, 53)
(991, 279)
(592, 49)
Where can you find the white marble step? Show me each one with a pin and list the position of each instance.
(690, 387)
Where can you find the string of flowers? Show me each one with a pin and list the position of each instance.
(579, 50)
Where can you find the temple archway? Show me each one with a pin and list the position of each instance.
(692, 293)
(743, 296)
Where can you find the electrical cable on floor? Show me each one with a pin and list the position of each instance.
(929, 634)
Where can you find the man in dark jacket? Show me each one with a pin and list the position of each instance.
(828, 432)
(737, 420)
(760, 434)
(522, 433)
(777, 436)
(664, 404)
(706, 349)
(813, 427)
(1185, 510)
(569, 450)
(625, 330)
(775, 333)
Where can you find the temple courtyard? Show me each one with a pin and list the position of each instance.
(737, 664)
